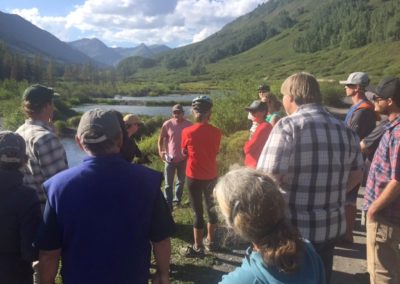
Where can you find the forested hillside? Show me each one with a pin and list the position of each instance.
(284, 36)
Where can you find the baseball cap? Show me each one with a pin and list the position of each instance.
(38, 94)
(12, 147)
(388, 87)
(356, 78)
(177, 107)
(97, 126)
(263, 87)
(257, 106)
(202, 104)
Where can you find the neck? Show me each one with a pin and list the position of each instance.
(393, 115)
(358, 98)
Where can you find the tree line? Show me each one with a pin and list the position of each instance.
(350, 24)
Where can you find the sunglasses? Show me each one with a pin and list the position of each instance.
(375, 98)
(349, 86)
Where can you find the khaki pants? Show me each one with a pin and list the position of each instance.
(383, 251)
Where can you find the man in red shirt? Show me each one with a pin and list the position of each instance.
(253, 147)
(200, 142)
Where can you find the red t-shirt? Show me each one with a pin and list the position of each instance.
(201, 142)
(253, 147)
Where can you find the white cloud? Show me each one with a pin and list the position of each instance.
(171, 22)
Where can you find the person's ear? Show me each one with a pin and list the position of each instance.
(78, 141)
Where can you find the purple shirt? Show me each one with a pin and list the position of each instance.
(384, 168)
(171, 131)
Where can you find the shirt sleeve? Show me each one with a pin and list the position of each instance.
(394, 152)
(162, 224)
(51, 155)
(274, 158)
(49, 236)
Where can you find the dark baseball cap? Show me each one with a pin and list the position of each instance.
(257, 106)
(38, 94)
(388, 87)
(97, 126)
(12, 147)
(263, 87)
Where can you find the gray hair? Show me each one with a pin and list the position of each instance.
(253, 205)
(303, 87)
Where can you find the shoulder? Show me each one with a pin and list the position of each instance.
(245, 274)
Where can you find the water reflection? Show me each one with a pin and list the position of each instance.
(140, 110)
(74, 154)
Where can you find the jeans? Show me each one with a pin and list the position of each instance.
(169, 174)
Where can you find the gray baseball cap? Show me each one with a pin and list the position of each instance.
(12, 147)
(356, 78)
(97, 126)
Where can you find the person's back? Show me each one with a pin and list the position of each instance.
(46, 154)
(202, 141)
(103, 216)
(253, 270)
(253, 206)
(315, 182)
(19, 214)
(105, 208)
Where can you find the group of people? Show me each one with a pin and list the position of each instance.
(293, 201)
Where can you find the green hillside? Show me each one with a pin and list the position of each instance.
(328, 38)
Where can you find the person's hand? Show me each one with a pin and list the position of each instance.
(160, 278)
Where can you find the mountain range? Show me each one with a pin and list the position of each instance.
(328, 38)
(22, 36)
(98, 51)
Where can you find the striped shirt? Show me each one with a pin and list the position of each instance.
(46, 154)
(384, 168)
(312, 153)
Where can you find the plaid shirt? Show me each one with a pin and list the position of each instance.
(384, 168)
(312, 153)
(46, 154)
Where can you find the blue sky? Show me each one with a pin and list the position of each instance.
(127, 23)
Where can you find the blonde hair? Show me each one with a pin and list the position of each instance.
(253, 205)
(303, 87)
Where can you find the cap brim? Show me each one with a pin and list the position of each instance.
(343, 82)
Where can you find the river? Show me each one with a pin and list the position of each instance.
(75, 154)
(140, 109)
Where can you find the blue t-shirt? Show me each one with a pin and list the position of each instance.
(103, 215)
(255, 271)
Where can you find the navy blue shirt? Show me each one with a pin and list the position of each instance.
(103, 215)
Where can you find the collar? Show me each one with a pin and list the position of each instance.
(308, 107)
(41, 123)
(392, 124)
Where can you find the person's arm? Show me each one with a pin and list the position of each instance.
(162, 255)
(161, 144)
(389, 194)
(48, 265)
